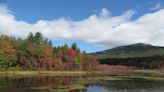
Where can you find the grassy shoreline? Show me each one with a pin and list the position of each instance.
(42, 73)
(79, 73)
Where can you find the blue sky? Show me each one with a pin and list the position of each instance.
(34, 10)
(83, 12)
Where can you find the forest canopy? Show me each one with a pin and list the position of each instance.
(36, 52)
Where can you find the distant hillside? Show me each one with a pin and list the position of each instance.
(140, 55)
(130, 51)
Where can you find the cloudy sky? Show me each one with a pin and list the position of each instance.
(93, 25)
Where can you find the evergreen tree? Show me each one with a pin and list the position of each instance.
(1, 58)
(30, 37)
(50, 43)
(38, 38)
(74, 46)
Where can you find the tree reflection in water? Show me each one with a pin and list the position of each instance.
(46, 83)
(76, 84)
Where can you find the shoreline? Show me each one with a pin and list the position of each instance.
(81, 73)
(42, 73)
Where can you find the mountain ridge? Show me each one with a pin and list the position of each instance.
(129, 51)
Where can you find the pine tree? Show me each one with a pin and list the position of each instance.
(74, 46)
(30, 37)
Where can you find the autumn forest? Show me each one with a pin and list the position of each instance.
(37, 53)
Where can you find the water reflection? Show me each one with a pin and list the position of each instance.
(75, 84)
(45, 84)
(127, 86)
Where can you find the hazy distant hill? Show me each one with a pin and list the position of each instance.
(130, 51)
(140, 55)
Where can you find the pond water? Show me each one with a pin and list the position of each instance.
(76, 84)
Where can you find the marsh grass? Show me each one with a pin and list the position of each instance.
(42, 73)
(132, 73)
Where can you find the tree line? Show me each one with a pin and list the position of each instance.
(151, 62)
(36, 52)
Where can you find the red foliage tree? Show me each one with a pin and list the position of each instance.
(68, 65)
(93, 61)
(71, 53)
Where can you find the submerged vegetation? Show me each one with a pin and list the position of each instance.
(36, 52)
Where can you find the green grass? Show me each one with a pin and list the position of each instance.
(60, 89)
(50, 89)
(149, 75)
(145, 73)
(41, 73)
(77, 87)
(132, 77)
(152, 73)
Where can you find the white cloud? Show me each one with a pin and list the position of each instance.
(157, 6)
(103, 29)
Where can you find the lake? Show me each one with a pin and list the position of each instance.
(76, 84)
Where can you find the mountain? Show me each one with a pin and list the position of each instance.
(140, 55)
(130, 51)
